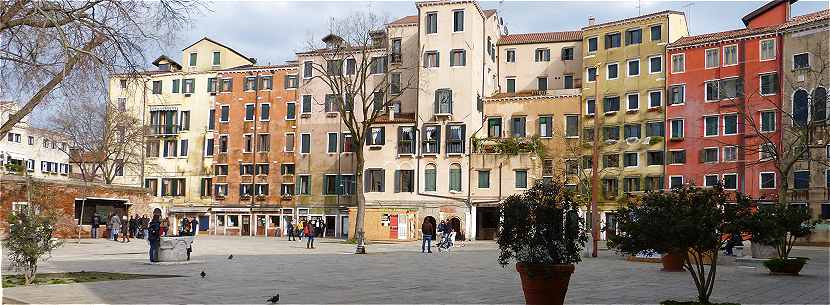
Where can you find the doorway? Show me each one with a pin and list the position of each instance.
(260, 225)
(455, 223)
(344, 227)
(329, 226)
(246, 225)
(487, 220)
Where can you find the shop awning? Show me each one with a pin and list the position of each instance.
(189, 209)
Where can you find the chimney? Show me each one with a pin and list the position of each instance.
(591, 20)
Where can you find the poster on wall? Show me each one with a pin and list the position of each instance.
(403, 225)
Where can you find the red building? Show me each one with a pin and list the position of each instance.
(724, 102)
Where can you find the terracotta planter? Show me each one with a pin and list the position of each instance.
(672, 262)
(543, 283)
(789, 266)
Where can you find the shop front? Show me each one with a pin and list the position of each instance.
(176, 214)
(231, 221)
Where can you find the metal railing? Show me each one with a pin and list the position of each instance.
(160, 130)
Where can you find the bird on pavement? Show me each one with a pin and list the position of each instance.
(203, 274)
(230, 257)
(274, 299)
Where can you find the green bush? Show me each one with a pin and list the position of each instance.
(29, 240)
(779, 225)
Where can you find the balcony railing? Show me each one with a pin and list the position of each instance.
(163, 130)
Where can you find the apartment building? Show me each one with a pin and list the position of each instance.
(624, 102)
(41, 153)
(175, 102)
(805, 39)
(253, 155)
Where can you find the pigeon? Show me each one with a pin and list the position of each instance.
(274, 299)
(203, 274)
(230, 257)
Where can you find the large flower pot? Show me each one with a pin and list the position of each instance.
(544, 283)
(788, 266)
(672, 262)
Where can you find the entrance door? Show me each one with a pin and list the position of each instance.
(260, 225)
(393, 226)
(246, 225)
(487, 219)
(455, 223)
(344, 227)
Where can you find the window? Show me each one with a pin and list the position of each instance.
(587, 162)
(517, 126)
(568, 81)
(31, 140)
(710, 126)
(767, 121)
(511, 55)
(655, 99)
(484, 179)
(612, 40)
(376, 136)
(246, 169)
(709, 155)
(611, 133)
(406, 140)
(610, 187)
(676, 128)
(332, 103)
(374, 180)
(800, 108)
(611, 104)
(250, 83)
(712, 58)
(443, 101)
(678, 63)
(521, 179)
(800, 61)
(730, 181)
(223, 143)
(710, 180)
(631, 159)
(677, 95)
(175, 87)
(378, 65)
(545, 126)
(592, 45)
(183, 148)
(455, 178)
(547, 167)
(712, 90)
(819, 104)
(153, 148)
(305, 143)
(455, 139)
(304, 188)
(156, 87)
(266, 82)
(633, 103)
(767, 47)
(430, 178)
(170, 148)
(212, 85)
(801, 180)
(395, 83)
(542, 55)
(458, 21)
(590, 106)
(571, 126)
(193, 59)
(308, 69)
(227, 85)
(766, 151)
(675, 181)
(654, 183)
(458, 57)
(567, 53)
(287, 169)
(677, 157)
(612, 71)
(172, 186)
(248, 143)
(656, 33)
(634, 67)
(610, 161)
(730, 153)
(306, 104)
(208, 147)
(289, 142)
(769, 83)
(591, 74)
(404, 181)
(224, 113)
(511, 85)
(634, 36)
(330, 184)
(631, 131)
(153, 185)
(654, 157)
(631, 184)
(731, 88)
(350, 65)
(655, 64)
(767, 180)
(431, 23)
(730, 55)
(542, 83)
(290, 111)
(396, 56)
(431, 139)
(334, 67)
(431, 59)
(119, 167)
(730, 124)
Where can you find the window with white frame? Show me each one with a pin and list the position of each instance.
(709, 155)
(767, 121)
(730, 181)
(767, 180)
(710, 126)
(431, 139)
(730, 124)
(801, 61)
(767, 49)
(677, 95)
(655, 99)
(590, 106)
(676, 128)
(710, 180)
(632, 101)
(730, 55)
(591, 74)
(678, 63)
(305, 143)
(612, 71)
(769, 83)
(633, 67)
(331, 145)
(655, 64)
(730, 153)
(766, 151)
(675, 181)
(712, 58)
(542, 54)
(712, 90)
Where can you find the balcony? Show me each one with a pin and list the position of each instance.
(537, 93)
(164, 130)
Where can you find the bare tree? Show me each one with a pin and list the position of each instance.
(54, 48)
(353, 63)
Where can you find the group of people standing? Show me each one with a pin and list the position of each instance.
(446, 231)
(307, 229)
(189, 227)
(117, 225)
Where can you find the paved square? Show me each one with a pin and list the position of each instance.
(391, 273)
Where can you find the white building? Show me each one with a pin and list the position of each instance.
(38, 150)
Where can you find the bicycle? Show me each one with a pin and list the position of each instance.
(446, 243)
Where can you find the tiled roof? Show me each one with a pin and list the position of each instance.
(405, 20)
(488, 13)
(615, 22)
(540, 37)
(252, 67)
(735, 34)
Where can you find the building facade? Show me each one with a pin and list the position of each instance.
(40, 152)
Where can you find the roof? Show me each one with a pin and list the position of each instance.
(485, 13)
(535, 94)
(221, 45)
(740, 33)
(406, 20)
(632, 19)
(540, 37)
(770, 5)
(164, 57)
(253, 67)
(488, 13)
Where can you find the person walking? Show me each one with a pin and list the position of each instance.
(132, 227)
(442, 229)
(301, 229)
(125, 229)
(116, 226)
(145, 223)
(290, 230)
(96, 221)
(308, 231)
(194, 226)
(154, 237)
(426, 231)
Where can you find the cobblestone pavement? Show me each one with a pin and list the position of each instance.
(391, 273)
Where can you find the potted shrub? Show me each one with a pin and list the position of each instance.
(779, 225)
(688, 221)
(542, 231)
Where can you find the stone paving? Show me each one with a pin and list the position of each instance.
(391, 273)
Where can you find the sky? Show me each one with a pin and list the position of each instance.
(272, 31)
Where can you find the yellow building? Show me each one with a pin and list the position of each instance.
(623, 102)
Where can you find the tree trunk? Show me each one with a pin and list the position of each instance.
(360, 198)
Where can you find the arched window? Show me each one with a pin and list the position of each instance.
(430, 174)
(455, 177)
(819, 104)
(800, 108)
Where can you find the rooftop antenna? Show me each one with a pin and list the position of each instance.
(688, 7)
(639, 8)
